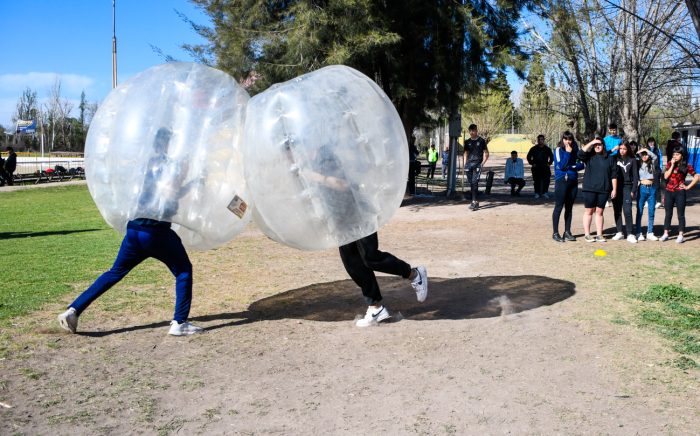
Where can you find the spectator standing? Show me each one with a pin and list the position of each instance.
(445, 162)
(515, 173)
(432, 160)
(566, 170)
(540, 158)
(677, 169)
(10, 165)
(476, 153)
(674, 142)
(627, 181)
(599, 183)
(3, 177)
(648, 186)
(654, 149)
(413, 167)
(612, 141)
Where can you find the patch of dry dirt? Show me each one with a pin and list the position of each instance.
(517, 336)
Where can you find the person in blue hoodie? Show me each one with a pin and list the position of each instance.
(566, 170)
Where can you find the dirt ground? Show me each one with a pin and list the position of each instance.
(519, 335)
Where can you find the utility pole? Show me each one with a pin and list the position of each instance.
(114, 44)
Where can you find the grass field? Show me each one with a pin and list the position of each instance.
(53, 242)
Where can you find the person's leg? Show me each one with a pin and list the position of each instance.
(521, 185)
(569, 199)
(642, 199)
(668, 207)
(587, 219)
(129, 256)
(599, 221)
(381, 261)
(627, 208)
(511, 182)
(469, 172)
(651, 209)
(474, 182)
(680, 208)
(536, 183)
(166, 246)
(546, 179)
(559, 200)
(617, 210)
(361, 274)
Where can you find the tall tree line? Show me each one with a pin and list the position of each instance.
(427, 56)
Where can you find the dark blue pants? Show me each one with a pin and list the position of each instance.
(565, 192)
(139, 244)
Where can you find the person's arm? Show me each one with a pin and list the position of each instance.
(520, 169)
(635, 178)
(486, 157)
(506, 174)
(693, 182)
(465, 156)
(550, 156)
(671, 164)
(614, 189)
(529, 156)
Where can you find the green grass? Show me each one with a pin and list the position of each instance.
(54, 242)
(674, 311)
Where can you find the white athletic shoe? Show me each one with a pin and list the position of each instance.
(420, 284)
(663, 237)
(69, 320)
(618, 236)
(631, 239)
(640, 237)
(680, 239)
(658, 205)
(183, 329)
(651, 237)
(373, 316)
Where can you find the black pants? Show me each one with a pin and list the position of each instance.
(362, 258)
(622, 203)
(565, 192)
(676, 198)
(431, 169)
(413, 170)
(541, 178)
(520, 183)
(473, 171)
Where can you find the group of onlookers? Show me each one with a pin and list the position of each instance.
(620, 173)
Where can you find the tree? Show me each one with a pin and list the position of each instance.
(424, 55)
(491, 109)
(26, 108)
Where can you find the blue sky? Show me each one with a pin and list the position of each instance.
(72, 39)
(41, 40)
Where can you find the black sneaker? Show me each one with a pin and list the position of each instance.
(557, 237)
(569, 237)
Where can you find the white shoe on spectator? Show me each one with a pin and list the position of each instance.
(631, 239)
(658, 205)
(651, 237)
(640, 237)
(663, 237)
(420, 284)
(680, 239)
(618, 236)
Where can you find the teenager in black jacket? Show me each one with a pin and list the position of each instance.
(627, 181)
(599, 183)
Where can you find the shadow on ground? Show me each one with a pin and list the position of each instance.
(13, 235)
(462, 298)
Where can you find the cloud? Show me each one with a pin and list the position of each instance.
(71, 84)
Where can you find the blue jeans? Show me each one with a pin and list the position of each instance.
(140, 243)
(647, 195)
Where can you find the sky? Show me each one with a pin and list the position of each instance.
(41, 40)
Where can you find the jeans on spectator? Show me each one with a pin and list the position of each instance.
(647, 196)
(676, 198)
(473, 171)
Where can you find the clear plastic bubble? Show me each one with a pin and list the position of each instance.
(165, 145)
(326, 158)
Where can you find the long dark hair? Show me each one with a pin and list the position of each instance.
(568, 135)
(628, 156)
(683, 164)
(652, 139)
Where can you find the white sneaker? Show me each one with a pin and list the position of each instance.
(618, 236)
(658, 205)
(420, 284)
(183, 329)
(608, 203)
(537, 195)
(640, 237)
(680, 239)
(373, 317)
(69, 320)
(631, 239)
(663, 238)
(651, 237)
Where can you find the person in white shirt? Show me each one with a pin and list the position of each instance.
(515, 173)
